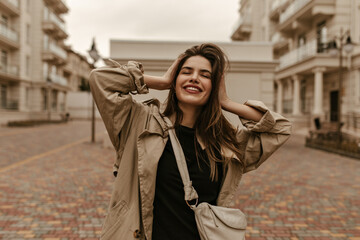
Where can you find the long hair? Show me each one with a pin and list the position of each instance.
(211, 125)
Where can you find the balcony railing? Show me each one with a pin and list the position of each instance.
(242, 20)
(277, 38)
(58, 79)
(14, 2)
(50, 16)
(277, 3)
(8, 33)
(292, 9)
(9, 69)
(297, 55)
(57, 50)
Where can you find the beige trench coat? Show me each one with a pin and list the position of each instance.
(139, 135)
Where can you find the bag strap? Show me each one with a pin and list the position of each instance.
(190, 192)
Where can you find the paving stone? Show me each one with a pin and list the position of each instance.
(298, 194)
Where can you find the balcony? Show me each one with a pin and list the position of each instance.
(299, 54)
(278, 41)
(9, 37)
(9, 72)
(243, 28)
(58, 79)
(54, 54)
(52, 24)
(11, 7)
(59, 6)
(277, 7)
(301, 12)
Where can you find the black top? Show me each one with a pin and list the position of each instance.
(173, 219)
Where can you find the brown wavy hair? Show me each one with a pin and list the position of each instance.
(211, 125)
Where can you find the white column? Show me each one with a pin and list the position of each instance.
(296, 95)
(318, 91)
(279, 104)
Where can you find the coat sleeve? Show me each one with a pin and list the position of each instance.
(261, 139)
(110, 87)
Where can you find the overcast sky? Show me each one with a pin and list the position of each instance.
(191, 20)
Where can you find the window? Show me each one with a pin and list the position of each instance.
(27, 97)
(321, 37)
(4, 21)
(301, 40)
(4, 61)
(45, 71)
(28, 33)
(27, 66)
(46, 13)
(44, 98)
(54, 100)
(3, 96)
(46, 41)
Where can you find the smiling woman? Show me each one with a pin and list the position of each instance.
(148, 196)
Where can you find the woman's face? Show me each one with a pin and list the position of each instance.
(193, 84)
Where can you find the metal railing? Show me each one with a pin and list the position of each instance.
(58, 79)
(10, 69)
(56, 49)
(8, 33)
(298, 54)
(292, 9)
(50, 16)
(353, 120)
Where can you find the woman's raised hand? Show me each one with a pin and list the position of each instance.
(223, 97)
(163, 82)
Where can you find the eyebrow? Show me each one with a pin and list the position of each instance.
(201, 70)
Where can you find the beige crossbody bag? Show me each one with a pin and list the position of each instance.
(213, 222)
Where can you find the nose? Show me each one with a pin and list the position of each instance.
(194, 77)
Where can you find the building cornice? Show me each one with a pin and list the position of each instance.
(235, 66)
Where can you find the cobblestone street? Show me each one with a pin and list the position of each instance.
(55, 184)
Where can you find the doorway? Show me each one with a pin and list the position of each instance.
(334, 106)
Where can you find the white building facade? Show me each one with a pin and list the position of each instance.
(35, 76)
(307, 77)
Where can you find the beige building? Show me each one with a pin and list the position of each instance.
(34, 74)
(307, 77)
(76, 71)
(251, 66)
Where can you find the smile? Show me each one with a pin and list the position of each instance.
(192, 89)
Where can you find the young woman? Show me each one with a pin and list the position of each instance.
(148, 196)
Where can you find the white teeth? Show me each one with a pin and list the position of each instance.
(193, 88)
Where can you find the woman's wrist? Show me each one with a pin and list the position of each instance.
(156, 82)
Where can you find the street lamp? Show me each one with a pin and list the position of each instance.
(95, 57)
(348, 47)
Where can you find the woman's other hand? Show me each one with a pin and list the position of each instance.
(223, 97)
(163, 82)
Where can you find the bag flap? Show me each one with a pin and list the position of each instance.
(231, 217)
